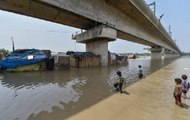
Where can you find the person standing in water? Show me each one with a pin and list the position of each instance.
(140, 71)
(118, 85)
(185, 85)
(178, 91)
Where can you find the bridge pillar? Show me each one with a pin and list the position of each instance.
(168, 54)
(156, 53)
(96, 40)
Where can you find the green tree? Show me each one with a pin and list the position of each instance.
(4, 51)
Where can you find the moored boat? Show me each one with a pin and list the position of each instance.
(23, 59)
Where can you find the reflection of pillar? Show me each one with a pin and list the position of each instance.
(96, 40)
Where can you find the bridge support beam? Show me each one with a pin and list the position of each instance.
(156, 53)
(96, 40)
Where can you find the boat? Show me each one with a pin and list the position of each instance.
(132, 56)
(21, 58)
(27, 68)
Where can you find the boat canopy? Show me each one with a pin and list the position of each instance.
(22, 57)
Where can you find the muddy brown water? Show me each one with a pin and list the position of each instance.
(58, 95)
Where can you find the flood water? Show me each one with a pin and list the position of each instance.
(57, 95)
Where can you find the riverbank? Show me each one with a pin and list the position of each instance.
(151, 98)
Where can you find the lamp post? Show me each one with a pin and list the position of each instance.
(161, 17)
(13, 46)
(170, 32)
(154, 7)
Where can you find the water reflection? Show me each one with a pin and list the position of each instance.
(130, 72)
(44, 95)
(36, 92)
(1, 77)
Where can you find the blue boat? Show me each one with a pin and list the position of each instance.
(22, 57)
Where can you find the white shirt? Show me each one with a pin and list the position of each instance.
(140, 70)
(185, 84)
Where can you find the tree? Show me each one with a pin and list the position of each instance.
(4, 51)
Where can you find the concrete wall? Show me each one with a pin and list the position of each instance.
(87, 61)
(62, 63)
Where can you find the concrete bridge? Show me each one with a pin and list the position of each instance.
(101, 21)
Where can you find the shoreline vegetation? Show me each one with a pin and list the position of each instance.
(5, 51)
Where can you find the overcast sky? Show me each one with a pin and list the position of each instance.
(30, 32)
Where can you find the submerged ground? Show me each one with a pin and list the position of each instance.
(88, 94)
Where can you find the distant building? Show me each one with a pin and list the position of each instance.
(61, 60)
(83, 59)
(114, 59)
(132, 56)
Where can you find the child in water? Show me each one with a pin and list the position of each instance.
(185, 85)
(178, 91)
(140, 71)
(118, 85)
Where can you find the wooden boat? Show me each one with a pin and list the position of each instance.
(23, 60)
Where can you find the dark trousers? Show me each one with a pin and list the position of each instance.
(118, 87)
(177, 98)
(140, 75)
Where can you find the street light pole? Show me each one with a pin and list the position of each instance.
(170, 32)
(13, 46)
(154, 7)
(161, 17)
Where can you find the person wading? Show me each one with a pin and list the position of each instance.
(118, 85)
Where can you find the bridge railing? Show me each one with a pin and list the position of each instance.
(78, 33)
(147, 12)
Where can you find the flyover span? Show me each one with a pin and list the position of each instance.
(102, 20)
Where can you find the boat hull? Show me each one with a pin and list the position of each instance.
(27, 68)
(23, 57)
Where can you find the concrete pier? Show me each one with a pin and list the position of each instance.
(156, 55)
(99, 47)
(156, 52)
(96, 40)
